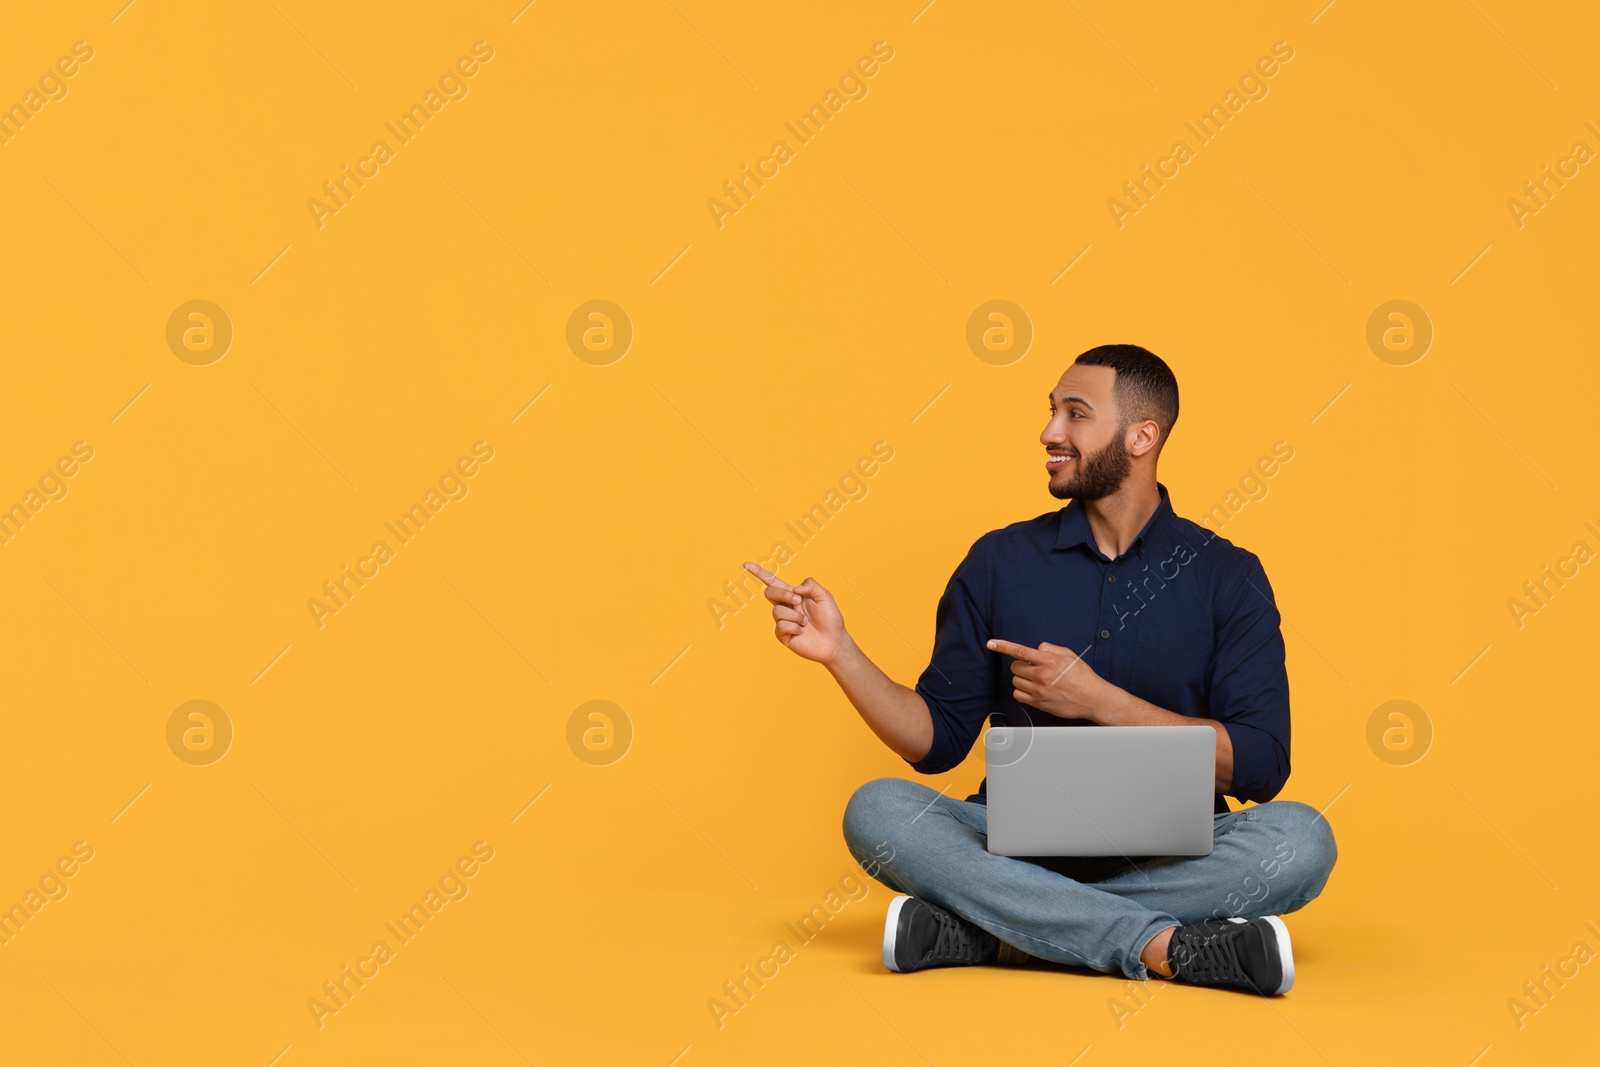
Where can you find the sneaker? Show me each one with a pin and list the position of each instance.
(1252, 955)
(917, 934)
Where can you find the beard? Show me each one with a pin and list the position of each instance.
(1098, 475)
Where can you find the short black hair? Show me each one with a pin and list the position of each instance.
(1145, 386)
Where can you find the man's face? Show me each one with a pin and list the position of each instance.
(1084, 437)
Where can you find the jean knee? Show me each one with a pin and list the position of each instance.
(871, 806)
(1315, 851)
(875, 809)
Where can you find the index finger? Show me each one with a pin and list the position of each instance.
(1016, 651)
(772, 580)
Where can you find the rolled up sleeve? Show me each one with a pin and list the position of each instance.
(1249, 686)
(959, 682)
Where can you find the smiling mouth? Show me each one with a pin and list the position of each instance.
(1058, 460)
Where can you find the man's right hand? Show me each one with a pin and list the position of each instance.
(809, 625)
(808, 621)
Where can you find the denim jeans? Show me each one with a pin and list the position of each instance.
(1267, 859)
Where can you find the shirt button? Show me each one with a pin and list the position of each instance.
(1111, 577)
(1105, 633)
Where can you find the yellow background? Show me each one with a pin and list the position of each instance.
(826, 315)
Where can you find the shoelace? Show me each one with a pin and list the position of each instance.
(1213, 957)
(953, 942)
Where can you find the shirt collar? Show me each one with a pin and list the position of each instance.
(1074, 528)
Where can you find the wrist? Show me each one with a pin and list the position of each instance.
(1110, 709)
(843, 655)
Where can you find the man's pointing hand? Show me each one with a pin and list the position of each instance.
(1054, 679)
(808, 622)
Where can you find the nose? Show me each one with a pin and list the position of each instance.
(1052, 433)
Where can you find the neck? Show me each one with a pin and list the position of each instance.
(1117, 519)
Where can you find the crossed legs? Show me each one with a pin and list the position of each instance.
(1268, 859)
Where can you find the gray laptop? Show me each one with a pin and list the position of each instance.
(1101, 790)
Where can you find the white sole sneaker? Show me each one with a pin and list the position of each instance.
(1285, 952)
(891, 923)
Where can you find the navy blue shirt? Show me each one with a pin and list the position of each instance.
(1184, 619)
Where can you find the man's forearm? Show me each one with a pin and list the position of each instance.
(1125, 709)
(894, 712)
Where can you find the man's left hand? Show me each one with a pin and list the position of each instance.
(1054, 680)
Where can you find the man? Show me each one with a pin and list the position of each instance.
(1111, 611)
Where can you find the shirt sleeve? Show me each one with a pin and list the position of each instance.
(959, 683)
(1249, 691)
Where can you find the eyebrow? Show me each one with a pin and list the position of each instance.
(1072, 400)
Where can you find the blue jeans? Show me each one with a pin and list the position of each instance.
(1267, 859)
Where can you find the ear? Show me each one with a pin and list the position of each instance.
(1143, 437)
